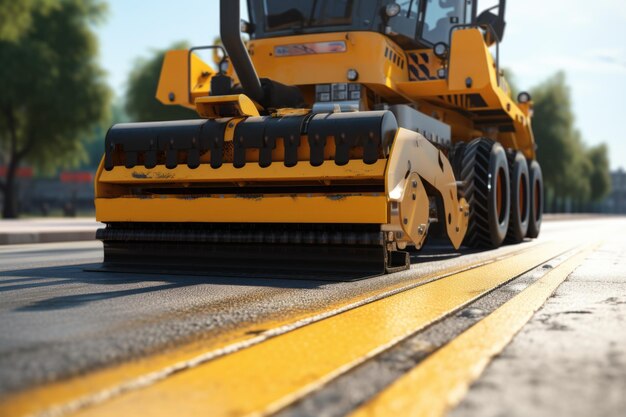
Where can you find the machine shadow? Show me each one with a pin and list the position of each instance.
(83, 274)
(154, 282)
(439, 249)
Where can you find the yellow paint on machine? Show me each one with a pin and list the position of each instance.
(353, 170)
(268, 376)
(441, 381)
(250, 209)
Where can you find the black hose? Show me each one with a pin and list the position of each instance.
(230, 22)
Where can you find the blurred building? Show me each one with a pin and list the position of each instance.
(23, 180)
(616, 201)
(67, 194)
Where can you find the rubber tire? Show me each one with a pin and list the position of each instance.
(536, 193)
(476, 165)
(518, 219)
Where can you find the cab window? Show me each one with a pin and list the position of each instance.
(409, 8)
(296, 14)
(441, 16)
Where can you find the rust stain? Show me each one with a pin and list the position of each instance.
(148, 175)
(250, 196)
(163, 175)
(336, 197)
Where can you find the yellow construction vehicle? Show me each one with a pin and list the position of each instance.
(372, 123)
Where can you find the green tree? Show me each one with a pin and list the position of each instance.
(94, 143)
(52, 91)
(573, 173)
(141, 103)
(16, 17)
(560, 150)
(600, 177)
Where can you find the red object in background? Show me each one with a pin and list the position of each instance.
(76, 176)
(22, 172)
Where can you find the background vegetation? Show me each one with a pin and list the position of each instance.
(575, 175)
(52, 90)
(55, 106)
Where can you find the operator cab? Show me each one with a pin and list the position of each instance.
(412, 24)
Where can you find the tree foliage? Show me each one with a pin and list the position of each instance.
(94, 142)
(571, 171)
(52, 91)
(16, 17)
(141, 103)
(599, 179)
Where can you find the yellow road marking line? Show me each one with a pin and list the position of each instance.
(270, 375)
(101, 385)
(441, 381)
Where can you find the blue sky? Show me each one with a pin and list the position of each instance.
(585, 39)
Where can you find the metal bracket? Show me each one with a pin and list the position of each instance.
(157, 141)
(412, 152)
(350, 130)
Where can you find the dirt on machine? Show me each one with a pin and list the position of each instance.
(328, 145)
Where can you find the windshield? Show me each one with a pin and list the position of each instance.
(293, 14)
(440, 16)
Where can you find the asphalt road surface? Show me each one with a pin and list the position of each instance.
(59, 322)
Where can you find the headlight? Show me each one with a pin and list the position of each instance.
(523, 97)
(440, 50)
(392, 9)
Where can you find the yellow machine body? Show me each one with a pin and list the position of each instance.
(234, 178)
(392, 72)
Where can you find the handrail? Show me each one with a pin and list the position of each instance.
(495, 35)
(190, 52)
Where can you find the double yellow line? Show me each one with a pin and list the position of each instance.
(442, 380)
(265, 377)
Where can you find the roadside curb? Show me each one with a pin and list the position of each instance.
(46, 237)
(47, 230)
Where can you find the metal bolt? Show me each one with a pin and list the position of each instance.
(406, 221)
(414, 197)
(171, 96)
(421, 229)
(414, 184)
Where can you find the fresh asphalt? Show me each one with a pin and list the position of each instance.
(57, 320)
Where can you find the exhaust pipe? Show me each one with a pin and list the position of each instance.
(230, 22)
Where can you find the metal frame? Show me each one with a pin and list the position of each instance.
(197, 48)
(495, 35)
